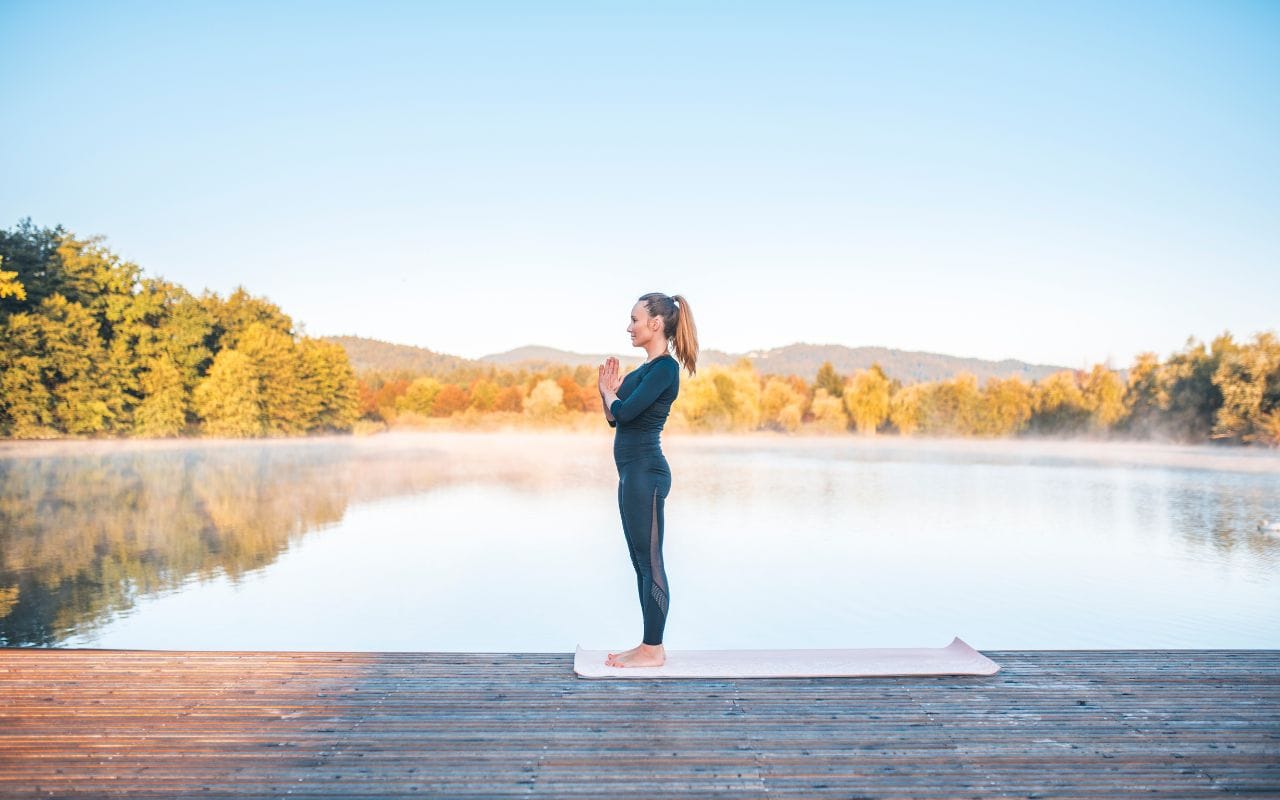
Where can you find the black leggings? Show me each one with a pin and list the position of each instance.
(643, 484)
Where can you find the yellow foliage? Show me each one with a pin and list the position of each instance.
(545, 400)
(828, 412)
(866, 398)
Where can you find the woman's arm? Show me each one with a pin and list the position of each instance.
(653, 383)
(613, 423)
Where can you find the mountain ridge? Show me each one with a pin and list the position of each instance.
(800, 358)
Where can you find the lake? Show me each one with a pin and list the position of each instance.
(512, 542)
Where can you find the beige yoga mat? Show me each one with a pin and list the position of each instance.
(957, 658)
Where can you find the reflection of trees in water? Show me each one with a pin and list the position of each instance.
(83, 536)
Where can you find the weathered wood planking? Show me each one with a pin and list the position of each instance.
(1051, 723)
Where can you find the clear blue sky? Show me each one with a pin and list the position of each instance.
(1061, 183)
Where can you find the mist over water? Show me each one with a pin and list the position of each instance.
(512, 541)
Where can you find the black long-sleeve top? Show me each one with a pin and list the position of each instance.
(644, 401)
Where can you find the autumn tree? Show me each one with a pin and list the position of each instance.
(829, 379)
(866, 398)
(229, 399)
(1248, 378)
(781, 405)
(1060, 406)
(828, 412)
(1006, 406)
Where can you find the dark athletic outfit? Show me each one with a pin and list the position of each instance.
(644, 478)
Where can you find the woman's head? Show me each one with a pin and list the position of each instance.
(666, 316)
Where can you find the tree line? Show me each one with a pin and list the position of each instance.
(91, 347)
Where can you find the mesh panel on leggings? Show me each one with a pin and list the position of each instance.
(659, 589)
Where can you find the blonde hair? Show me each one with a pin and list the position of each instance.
(677, 325)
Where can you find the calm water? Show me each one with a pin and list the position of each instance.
(512, 542)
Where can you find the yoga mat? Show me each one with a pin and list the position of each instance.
(957, 658)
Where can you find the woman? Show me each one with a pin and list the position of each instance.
(637, 406)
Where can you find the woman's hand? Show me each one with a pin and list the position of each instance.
(615, 376)
(610, 380)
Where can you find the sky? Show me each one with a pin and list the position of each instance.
(1061, 183)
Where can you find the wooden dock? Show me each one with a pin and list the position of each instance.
(213, 724)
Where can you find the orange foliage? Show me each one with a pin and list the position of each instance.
(450, 399)
(509, 399)
(574, 398)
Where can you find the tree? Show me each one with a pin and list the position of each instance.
(10, 286)
(26, 404)
(1248, 378)
(1192, 398)
(282, 390)
(828, 412)
(484, 394)
(329, 386)
(905, 409)
(163, 410)
(420, 397)
(951, 407)
(73, 366)
(233, 316)
(1103, 393)
(545, 400)
(1006, 406)
(866, 398)
(451, 399)
(781, 406)
(1145, 399)
(229, 399)
(510, 398)
(829, 379)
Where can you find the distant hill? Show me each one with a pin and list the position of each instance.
(801, 359)
(908, 366)
(374, 354)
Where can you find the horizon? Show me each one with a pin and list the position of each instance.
(747, 353)
(1049, 185)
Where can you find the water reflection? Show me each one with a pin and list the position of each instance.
(492, 541)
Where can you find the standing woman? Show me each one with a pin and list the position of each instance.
(637, 407)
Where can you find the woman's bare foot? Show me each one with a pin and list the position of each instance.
(612, 656)
(642, 655)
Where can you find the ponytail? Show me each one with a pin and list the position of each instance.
(686, 335)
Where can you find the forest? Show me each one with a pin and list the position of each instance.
(92, 347)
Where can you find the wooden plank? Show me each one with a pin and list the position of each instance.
(1052, 723)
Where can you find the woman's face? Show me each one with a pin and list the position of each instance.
(642, 325)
